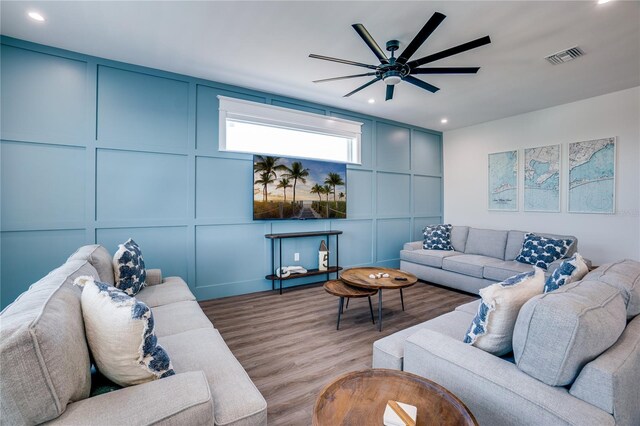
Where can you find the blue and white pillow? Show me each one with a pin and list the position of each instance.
(128, 267)
(121, 336)
(542, 251)
(492, 328)
(570, 270)
(437, 237)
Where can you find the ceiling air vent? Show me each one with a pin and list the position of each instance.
(565, 55)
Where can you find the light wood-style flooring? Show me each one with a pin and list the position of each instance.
(291, 349)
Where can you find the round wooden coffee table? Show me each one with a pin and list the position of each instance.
(359, 277)
(340, 289)
(360, 398)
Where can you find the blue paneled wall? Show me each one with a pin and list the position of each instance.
(98, 151)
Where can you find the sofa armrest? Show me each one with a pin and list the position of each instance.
(180, 399)
(494, 389)
(414, 245)
(154, 277)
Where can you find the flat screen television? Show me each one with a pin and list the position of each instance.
(292, 188)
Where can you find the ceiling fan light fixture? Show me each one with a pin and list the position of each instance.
(391, 78)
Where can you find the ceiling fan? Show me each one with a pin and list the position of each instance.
(393, 70)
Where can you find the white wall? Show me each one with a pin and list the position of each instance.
(602, 238)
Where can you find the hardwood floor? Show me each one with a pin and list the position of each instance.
(291, 349)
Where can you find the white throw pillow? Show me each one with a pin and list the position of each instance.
(492, 328)
(120, 333)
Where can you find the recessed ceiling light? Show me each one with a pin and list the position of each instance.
(444, 121)
(603, 1)
(36, 16)
(372, 101)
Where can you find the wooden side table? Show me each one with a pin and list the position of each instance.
(340, 289)
(360, 398)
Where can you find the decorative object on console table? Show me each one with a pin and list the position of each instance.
(323, 257)
(273, 277)
(592, 176)
(503, 181)
(361, 397)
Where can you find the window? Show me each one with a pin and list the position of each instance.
(255, 128)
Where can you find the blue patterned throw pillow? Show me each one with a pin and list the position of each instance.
(570, 270)
(128, 268)
(541, 251)
(437, 237)
(492, 328)
(120, 331)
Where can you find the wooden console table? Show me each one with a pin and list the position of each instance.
(310, 272)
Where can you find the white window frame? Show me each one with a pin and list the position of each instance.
(270, 115)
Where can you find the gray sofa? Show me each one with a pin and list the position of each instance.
(46, 362)
(557, 374)
(480, 257)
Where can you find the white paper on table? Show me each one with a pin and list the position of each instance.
(392, 419)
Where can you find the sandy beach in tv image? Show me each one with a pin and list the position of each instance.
(289, 188)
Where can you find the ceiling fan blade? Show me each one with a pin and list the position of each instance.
(344, 77)
(451, 51)
(420, 38)
(362, 32)
(367, 84)
(422, 84)
(390, 88)
(342, 61)
(446, 70)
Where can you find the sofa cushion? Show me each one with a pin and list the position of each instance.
(129, 268)
(500, 270)
(121, 336)
(486, 242)
(172, 289)
(467, 264)
(236, 399)
(570, 270)
(178, 317)
(542, 251)
(43, 351)
(492, 327)
(437, 237)
(388, 352)
(470, 308)
(625, 276)
(557, 333)
(427, 257)
(100, 258)
(610, 382)
(459, 237)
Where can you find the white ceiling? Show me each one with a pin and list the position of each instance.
(265, 45)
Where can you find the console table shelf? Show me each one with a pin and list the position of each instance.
(273, 277)
(310, 272)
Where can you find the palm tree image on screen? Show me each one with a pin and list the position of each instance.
(287, 188)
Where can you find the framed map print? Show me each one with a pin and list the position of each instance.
(542, 179)
(503, 181)
(592, 172)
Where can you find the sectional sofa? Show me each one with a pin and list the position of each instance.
(480, 257)
(570, 365)
(46, 363)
